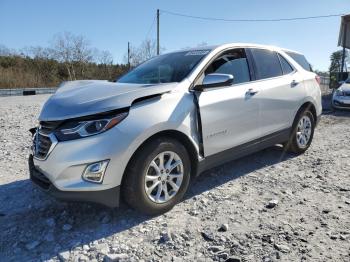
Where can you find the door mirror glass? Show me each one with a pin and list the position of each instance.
(215, 80)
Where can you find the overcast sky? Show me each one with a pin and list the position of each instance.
(110, 24)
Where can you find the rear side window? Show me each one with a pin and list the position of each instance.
(267, 63)
(301, 60)
(286, 67)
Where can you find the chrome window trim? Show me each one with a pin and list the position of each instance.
(249, 82)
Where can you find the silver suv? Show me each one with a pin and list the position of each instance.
(146, 135)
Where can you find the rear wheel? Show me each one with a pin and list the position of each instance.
(302, 132)
(157, 177)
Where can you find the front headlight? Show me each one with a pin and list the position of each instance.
(75, 129)
(339, 92)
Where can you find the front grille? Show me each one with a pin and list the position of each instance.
(41, 145)
(47, 127)
(44, 140)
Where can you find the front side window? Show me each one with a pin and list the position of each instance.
(233, 62)
(286, 67)
(267, 63)
(173, 67)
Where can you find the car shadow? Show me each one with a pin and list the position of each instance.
(238, 168)
(33, 225)
(337, 112)
(327, 102)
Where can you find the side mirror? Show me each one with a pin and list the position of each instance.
(215, 80)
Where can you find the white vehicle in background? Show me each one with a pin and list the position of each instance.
(341, 96)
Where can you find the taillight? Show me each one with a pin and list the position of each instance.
(318, 79)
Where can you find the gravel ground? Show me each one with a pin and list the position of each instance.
(269, 206)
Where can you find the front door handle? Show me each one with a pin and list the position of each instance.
(251, 91)
(294, 83)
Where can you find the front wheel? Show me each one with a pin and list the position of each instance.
(302, 132)
(157, 176)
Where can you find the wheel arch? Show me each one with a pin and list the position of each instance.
(180, 137)
(309, 106)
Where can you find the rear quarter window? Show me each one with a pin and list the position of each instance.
(301, 60)
(286, 67)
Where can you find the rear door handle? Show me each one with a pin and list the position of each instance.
(294, 83)
(252, 92)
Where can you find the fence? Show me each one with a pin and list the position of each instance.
(26, 91)
(324, 84)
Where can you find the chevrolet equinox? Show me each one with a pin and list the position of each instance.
(143, 137)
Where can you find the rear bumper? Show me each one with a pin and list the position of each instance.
(109, 197)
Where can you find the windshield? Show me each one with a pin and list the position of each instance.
(347, 81)
(173, 67)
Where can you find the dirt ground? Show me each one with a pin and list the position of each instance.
(269, 206)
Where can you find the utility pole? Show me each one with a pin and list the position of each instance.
(157, 31)
(129, 55)
(344, 53)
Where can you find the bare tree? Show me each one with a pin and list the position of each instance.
(62, 45)
(104, 58)
(74, 51)
(145, 51)
(82, 53)
(69, 57)
(133, 56)
(4, 51)
(38, 52)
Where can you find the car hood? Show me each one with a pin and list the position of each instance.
(87, 97)
(345, 87)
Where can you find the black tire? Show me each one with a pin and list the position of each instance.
(133, 187)
(292, 145)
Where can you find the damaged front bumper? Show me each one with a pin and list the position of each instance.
(108, 197)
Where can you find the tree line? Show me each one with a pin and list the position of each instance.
(69, 57)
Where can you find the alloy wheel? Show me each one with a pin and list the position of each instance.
(304, 131)
(163, 177)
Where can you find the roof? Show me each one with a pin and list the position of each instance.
(233, 45)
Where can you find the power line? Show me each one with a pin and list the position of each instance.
(146, 37)
(151, 27)
(250, 20)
